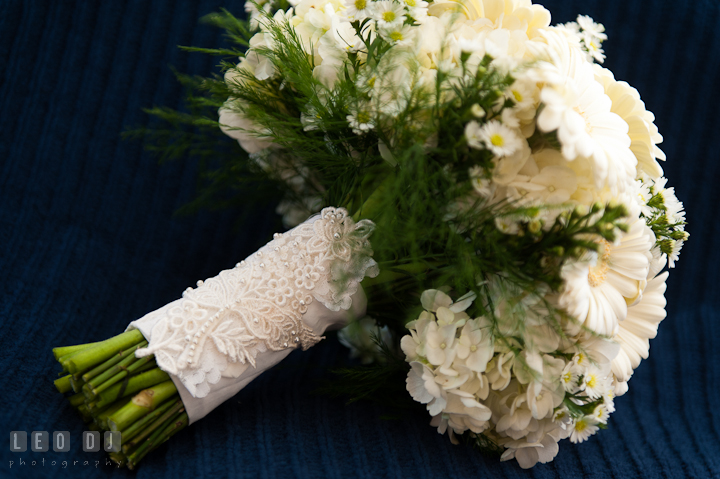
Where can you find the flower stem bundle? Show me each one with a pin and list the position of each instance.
(115, 391)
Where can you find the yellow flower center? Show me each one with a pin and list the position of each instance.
(592, 382)
(396, 36)
(363, 117)
(410, 3)
(567, 377)
(598, 273)
(473, 348)
(581, 425)
(497, 140)
(360, 4)
(518, 96)
(443, 346)
(388, 16)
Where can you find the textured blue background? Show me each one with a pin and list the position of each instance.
(88, 242)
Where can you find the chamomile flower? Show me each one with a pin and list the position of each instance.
(601, 414)
(588, 25)
(494, 136)
(569, 377)
(594, 382)
(398, 34)
(361, 120)
(358, 9)
(388, 13)
(583, 428)
(674, 253)
(592, 45)
(417, 8)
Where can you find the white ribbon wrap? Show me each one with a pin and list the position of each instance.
(223, 334)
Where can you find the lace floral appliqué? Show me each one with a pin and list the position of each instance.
(218, 329)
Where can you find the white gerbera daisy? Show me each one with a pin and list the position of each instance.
(640, 325)
(578, 109)
(642, 131)
(597, 290)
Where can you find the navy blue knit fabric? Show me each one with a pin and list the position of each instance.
(88, 242)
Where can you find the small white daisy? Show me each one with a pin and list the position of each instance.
(358, 9)
(361, 120)
(388, 13)
(601, 413)
(569, 377)
(583, 429)
(496, 137)
(589, 26)
(674, 254)
(417, 8)
(398, 34)
(595, 383)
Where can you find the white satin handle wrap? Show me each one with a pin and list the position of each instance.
(223, 334)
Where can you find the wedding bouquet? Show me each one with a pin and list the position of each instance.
(520, 226)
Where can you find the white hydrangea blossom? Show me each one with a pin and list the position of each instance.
(470, 381)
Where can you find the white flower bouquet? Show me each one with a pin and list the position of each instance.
(491, 158)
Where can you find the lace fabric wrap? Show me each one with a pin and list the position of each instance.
(282, 297)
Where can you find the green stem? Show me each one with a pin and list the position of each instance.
(63, 384)
(66, 350)
(118, 458)
(141, 404)
(122, 365)
(174, 425)
(135, 428)
(102, 351)
(159, 422)
(76, 385)
(77, 399)
(125, 371)
(132, 385)
(101, 417)
(109, 363)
